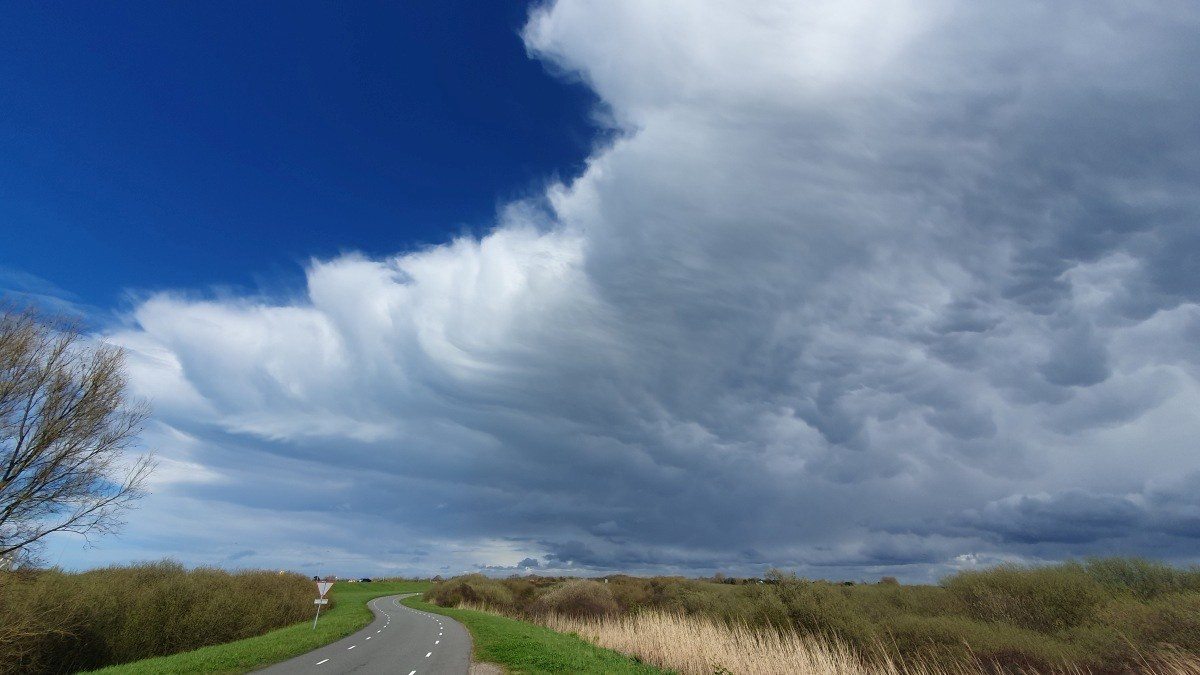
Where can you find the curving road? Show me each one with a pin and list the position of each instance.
(400, 641)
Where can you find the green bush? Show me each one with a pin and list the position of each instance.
(1170, 621)
(631, 593)
(881, 603)
(1105, 645)
(474, 589)
(70, 622)
(767, 609)
(960, 641)
(1045, 599)
(820, 608)
(1143, 578)
(579, 598)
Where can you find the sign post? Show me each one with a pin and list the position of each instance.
(322, 589)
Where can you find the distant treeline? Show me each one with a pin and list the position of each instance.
(57, 622)
(1109, 615)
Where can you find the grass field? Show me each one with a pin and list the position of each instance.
(522, 647)
(350, 615)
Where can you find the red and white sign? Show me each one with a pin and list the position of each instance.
(323, 587)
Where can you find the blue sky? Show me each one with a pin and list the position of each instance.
(845, 287)
(148, 146)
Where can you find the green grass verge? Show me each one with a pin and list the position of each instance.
(349, 615)
(522, 647)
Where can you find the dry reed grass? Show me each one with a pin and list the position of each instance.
(696, 646)
(692, 645)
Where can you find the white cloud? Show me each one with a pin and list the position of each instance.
(851, 270)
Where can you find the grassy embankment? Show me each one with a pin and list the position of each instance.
(522, 647)
(349, 614)
(1104, 616)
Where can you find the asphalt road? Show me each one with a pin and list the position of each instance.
(400, 641)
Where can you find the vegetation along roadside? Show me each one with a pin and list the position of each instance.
(349, 614)
(1110, 615)
(522, 647)
(161, 618)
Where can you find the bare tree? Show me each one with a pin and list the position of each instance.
(65, 424)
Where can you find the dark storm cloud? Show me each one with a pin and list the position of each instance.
(1071, 517)
(1077, 359)
(913, 294)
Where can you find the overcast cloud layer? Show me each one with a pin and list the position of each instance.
(863, 288)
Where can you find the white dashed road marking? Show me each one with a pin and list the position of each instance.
(321, 661)
(429, 655)
(351, 647)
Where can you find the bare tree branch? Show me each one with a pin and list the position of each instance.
(65, 424)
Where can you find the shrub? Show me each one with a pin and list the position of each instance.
(580, 598)
(691, 597)
(631, 593)
(961, 642)
(768, 609)
(82, 621)
(1105, 645)
(1045, 599)
(825, 610)
(1143, 578)
(472, 589)
(818, 608)
(1170, 621)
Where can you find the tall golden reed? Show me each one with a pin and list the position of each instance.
(692, 645)
(696, 646)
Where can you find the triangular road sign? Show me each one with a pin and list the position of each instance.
(323, 587)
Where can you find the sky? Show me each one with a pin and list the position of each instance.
(847, 288)
(149, 146)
